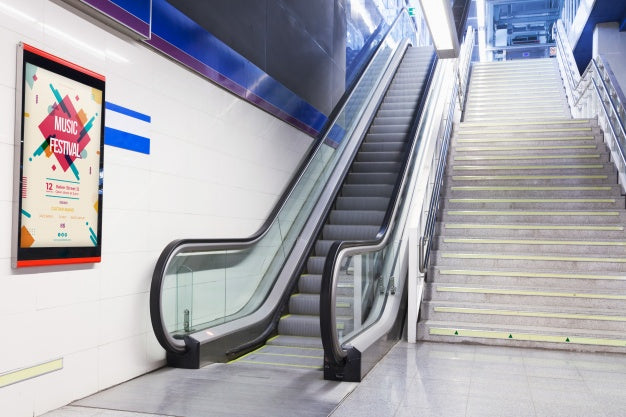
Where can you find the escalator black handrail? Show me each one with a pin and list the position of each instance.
(333, 352)
(156, 317)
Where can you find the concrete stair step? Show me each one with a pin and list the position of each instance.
(517, 191)
(612, 248)
(531, 230)
(535, 157)
(524, 132)
(552, 123)
(555, 297)
(524, 278)
(525, 315)
(569, 262)
(554, 179)
(523, 336)
(534, 140)
(511, 151)
(535, 169)
(608, 217)
(534, 203)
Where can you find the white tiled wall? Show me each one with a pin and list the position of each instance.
(216, 167)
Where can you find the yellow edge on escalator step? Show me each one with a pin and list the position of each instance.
(522, 157)
(19, 375)
(533, 227)
(530, 188)
(290, 355)
(289, 365)
(499, 291)
(531, 242)
(515, 313)
(527, 337)
(531, 200)
(525, 139)
(530, 213)
(247, 354)
(527, 177)
(520, 274)
(294, 347)
(513, 257)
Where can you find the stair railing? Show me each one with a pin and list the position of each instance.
(342, 350)
(422, 224)
(595, 94)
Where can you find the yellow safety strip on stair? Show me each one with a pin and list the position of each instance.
(532, 200)
(342, 305)
(512, 257)
(514, 123)
(533, 242)
(521, 74)
(522, 110)
(528, 177)
(497, 115)
(524, 139)
(533, 227)
(526, 92)
(521, 148)
(561, 129)
(530, 293)
(523, 167)
(523, 157)
(517, 101)
(506, 85)
(530, 213)
(515, 313)
(19, 375)
(526, 337)
(528, 274)
(529, 188)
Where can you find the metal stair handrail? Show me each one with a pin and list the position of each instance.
(595, 94)
(335, 351)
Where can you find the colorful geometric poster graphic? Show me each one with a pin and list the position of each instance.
(61, 161)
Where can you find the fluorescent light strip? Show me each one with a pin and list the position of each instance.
(435, 14)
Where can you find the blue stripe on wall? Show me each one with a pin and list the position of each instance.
(125, 140)
(126, 111)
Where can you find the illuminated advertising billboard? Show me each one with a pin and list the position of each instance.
(59, 161)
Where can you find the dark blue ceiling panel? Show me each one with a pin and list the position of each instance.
(603, 11)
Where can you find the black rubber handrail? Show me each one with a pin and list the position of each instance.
(171, 249)
(327, 325)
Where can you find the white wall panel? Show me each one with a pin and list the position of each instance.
(215, 169)
(7, 115)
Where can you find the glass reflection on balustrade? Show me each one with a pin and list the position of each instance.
(363, 283)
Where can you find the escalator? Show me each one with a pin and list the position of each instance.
(257, 300)
(357, 214)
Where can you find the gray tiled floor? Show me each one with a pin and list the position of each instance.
(427, 379)
(431, 379)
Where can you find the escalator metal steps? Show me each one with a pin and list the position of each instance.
(357, 214)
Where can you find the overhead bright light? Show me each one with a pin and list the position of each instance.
(438, 14)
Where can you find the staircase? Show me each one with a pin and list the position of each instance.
(530, 247)
(357, 214)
